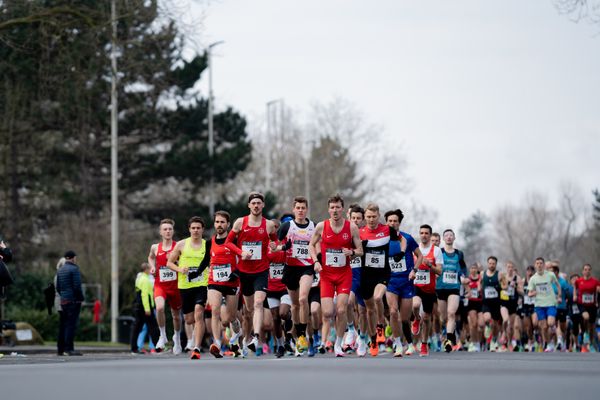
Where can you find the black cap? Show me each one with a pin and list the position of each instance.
(70, 254)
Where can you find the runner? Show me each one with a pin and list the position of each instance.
(561, 310)
(252, 234)
(425, 278)
(375, 275)
(575, 316)
(299, 267)
(223, 283)
(337, 236)
(474, 298)
(356, 304)
(585, 294)
(400, 289)
(448, 287)
(165, 285)
(491, 302)
(545, 300)
(189, 258)
(526, 311)
(510, 285)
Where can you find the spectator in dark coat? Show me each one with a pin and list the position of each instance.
(68, 286)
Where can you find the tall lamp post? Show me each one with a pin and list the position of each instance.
(114, 186)
(211, 141)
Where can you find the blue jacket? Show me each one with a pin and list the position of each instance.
(68, 283)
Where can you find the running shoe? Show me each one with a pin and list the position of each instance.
(415, 327)
(280, 352)
(493, 346)
(176, 345)
(471, 348)
(398, 350)
(259, 351)
(301, 344)
(253, 345)
(337, 348)
(380, 336)
(162, 341)
(361, 349)
(195, 354)
(329, 346)
(424, 350)
(447, 346)
(585, 349)
(189, 346)
(321, 349)
(311, 350)
(487, 332)
(350, 340)
(215, 351)
(410, 350)
(373, 349)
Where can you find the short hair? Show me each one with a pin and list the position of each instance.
(587, 265)
(555, 268)
(435, 234)
(167, 221)
(530, 268)
(574, 276)
(351, 206)
(256, 195)
(541, 259)
(397, 212)
(476, 266)
(336, 198)
(357, 209)
(196, 219)
(372, 207)
(448, 230)
(492, 258)
(425, 226)
(224, 214)
(300, 199)
(145, 266)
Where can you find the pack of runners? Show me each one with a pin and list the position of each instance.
(356, 284)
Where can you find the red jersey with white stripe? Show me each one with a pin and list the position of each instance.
(223, 261)
(276, 263)
(255, 240)
(163, 276)
(425, 277)
(297, 255)
(376, 247)
(332, 245)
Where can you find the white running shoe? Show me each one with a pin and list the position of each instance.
(176, 345)
(162, 341)
(350, 338)
(361, 350)
(398, 349)
(337, 349)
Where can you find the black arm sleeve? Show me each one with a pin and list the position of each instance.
(283, 230)
(462, 263)
(206, 260)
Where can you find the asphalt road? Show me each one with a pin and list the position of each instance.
(488, 376)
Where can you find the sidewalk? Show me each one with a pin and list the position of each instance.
(49, 349)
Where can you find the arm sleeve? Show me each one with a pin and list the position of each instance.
(231, 246)
(462, 263)
(206, 260)
(231, 237)
(283, 231)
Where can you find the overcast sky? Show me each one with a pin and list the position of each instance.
(491, 99)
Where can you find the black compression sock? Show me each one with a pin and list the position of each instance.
(406, 331)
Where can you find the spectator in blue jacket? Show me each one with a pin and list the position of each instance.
(68, 286)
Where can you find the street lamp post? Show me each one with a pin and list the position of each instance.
(211, 141)
(114, 186)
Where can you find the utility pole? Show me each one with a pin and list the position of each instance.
(114, 187)
(211, 140)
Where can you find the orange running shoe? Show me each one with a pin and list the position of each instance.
(195, 354)
(215, 351)
(380, 335)
(416, 327)
(374, 349)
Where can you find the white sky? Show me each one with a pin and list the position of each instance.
(491, 99)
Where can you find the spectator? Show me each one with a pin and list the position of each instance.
(143, 308)
(68, 286)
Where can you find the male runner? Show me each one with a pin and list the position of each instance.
(356, 304)
(376, 238)
(561, 310)
(474, 297)
(165, 285)
(448, 287)
(299, 267)
(252, 234)
(425, 278)
(189, 258)
(585, 293)
(223, 283)
(545, 300)
(337, 236)
(510, 284)
(491, 302)
(400, 289)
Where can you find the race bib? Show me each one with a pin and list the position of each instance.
(399, 266)
(254, 248)
(316, 279)
(527, 300)
(474, 293)
(276, 271)
(375, 259)
(575, 309)
(194, 270)
(465, 302)
(422, 277)
(166, 275)
(356, 262)
(335, 258)
(300, 249)
(587, 298)
(542, 288)
(450, 277)
(490, 293)
(221, 273)
(510, 291)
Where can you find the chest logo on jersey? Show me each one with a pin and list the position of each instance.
(261, 231)
(345, 236)
(380, 234)
(160, 253)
